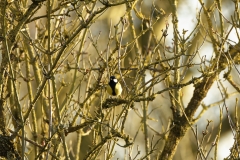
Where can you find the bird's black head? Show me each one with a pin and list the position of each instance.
(113, 80)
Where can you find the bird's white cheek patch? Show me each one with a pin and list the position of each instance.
(115, 80)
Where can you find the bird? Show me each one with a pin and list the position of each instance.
(114, 88)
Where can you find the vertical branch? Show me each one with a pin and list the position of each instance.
(79, 135)
(30, 95)
(145, 118)
(58, 116)
(132, 28)
(4, 67)
(119, 51)
(175, 97)
(219, 133)
(210, 27)
(49, 36)
(219, 5)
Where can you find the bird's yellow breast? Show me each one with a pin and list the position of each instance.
(117, 89)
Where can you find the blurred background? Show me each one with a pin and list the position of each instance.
(126, 40)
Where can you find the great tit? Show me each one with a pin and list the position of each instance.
(114, 88)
